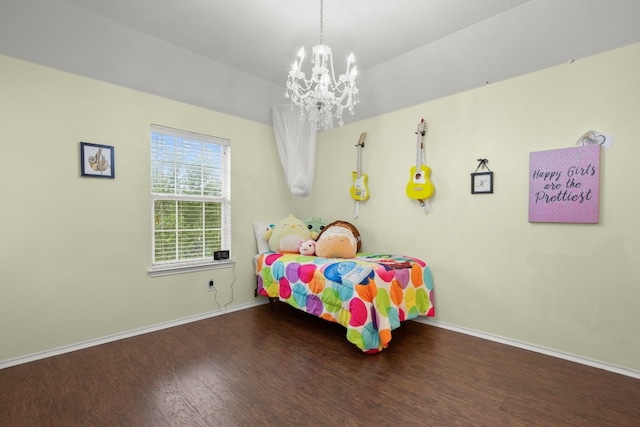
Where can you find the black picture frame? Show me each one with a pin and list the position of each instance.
(482, 183)
(97, 161)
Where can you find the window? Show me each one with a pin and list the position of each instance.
(191, 203)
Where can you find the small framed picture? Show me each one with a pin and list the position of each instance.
(97, 160)
(482, 183)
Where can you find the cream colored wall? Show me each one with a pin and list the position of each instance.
(568, 287)
(74, 252)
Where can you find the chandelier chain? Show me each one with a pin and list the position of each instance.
(321, 21)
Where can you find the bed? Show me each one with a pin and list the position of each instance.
(370, 294)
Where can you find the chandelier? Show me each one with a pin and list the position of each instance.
(321, 97)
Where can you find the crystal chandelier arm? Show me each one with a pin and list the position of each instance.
(333, 73)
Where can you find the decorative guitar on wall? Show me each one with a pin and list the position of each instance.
(359, 190)
(420, 186)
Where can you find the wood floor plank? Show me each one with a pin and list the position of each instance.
(281, 367)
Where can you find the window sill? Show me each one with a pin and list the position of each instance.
(180, 268)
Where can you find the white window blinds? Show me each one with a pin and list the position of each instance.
(190, 191)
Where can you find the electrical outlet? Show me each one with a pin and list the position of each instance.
(211, 286)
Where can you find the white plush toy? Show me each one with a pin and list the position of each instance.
(308, 247)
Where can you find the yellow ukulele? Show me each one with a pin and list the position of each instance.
(420, 186)
(359, 190)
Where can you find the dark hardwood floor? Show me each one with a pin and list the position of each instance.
(283, 367)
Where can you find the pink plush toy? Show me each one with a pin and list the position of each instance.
(308, 247)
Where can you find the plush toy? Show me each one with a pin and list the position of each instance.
(315, 226)
(287, 234)
(339, 239)
(308, 247)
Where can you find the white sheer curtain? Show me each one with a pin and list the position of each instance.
(297, 148)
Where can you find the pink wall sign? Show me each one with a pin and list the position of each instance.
(564, 185)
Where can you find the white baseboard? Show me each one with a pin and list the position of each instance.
(128, 334)
(165, 325)
(549, 352)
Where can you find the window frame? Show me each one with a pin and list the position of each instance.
(161, 268)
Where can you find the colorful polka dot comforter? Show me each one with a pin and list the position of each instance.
(370, 294)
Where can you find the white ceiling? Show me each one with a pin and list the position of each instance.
(233, 55)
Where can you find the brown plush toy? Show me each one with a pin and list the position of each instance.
(339, 239)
